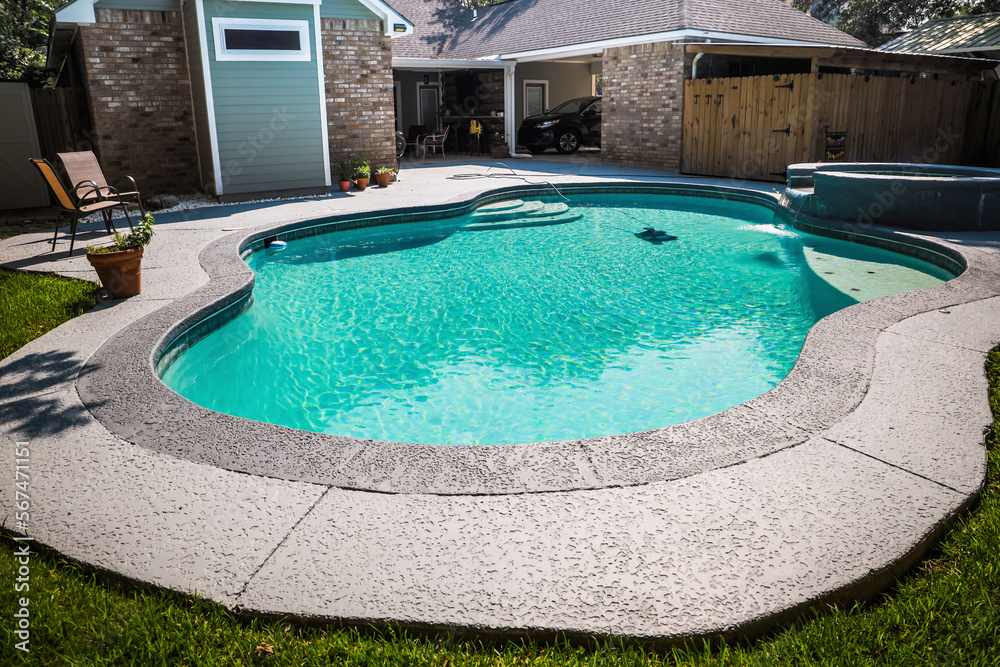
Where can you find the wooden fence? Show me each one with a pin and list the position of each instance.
(754, 127)
(63, 120)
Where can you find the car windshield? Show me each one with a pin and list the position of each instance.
(573, 106)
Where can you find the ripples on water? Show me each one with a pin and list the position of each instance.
(489, 329)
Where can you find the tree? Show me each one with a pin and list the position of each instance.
(878, 21)
(24, 28)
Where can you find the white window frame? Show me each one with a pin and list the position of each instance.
(524, 94)
(221, 24)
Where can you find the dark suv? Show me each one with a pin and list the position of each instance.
(572, 124)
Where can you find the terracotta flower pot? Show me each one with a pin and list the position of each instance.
(345, 186)
(120, 272)
(361, 183)
(383, 180)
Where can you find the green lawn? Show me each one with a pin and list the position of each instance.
(32, 303)
(946, 612)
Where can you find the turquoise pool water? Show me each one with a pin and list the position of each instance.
(530, 321)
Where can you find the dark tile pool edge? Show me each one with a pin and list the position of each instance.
(128, 397)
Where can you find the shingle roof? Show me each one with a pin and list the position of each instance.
(443, 28)
(957, 34)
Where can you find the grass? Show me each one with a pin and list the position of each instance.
(31, 304)
(945, 612)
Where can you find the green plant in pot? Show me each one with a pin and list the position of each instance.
(362, 172)
(119, 265)
(383, 175)
(345, 173)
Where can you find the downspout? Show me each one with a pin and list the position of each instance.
(694, 65)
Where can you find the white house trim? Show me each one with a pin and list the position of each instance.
(78, 11)
(435, 64)
(524, 94)
(389, 17)
(321, 75)
(213, 133)
(670, 36)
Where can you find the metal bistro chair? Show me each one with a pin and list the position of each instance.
(416, 134)
(82, 202)
(435, 141)
(83, 167)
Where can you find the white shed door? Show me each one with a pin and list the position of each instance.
(20, 184)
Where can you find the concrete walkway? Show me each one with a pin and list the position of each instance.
(825, 488)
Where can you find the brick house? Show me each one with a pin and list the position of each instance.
(248, 96)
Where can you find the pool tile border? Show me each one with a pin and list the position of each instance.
(113, 381)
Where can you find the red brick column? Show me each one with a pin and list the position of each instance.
(643, 115)
(136, 75)
(357, 62)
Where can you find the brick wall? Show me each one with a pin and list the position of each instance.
(135, 70)
(357, 61)
(643, 111)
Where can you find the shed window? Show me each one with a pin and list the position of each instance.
(258, 39)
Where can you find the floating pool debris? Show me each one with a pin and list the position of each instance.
(650, 234)
(273, 243)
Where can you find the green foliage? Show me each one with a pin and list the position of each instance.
(473, 4)
(137, 238)
(385, 170)
(345, 170)
(24, 26)
(877, 21)
(33, 303)
(361, 168)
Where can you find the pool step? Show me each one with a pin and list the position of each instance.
(533, 221)
(527, 210)
(505, 205)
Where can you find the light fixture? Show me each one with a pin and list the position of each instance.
(399, 27)
(427, 79)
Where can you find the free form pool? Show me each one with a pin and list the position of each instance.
(527, 321)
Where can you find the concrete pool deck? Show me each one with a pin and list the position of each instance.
(825, 488)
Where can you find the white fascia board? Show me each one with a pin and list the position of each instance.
(586, 48)
(389, 16)
(441, 63)
(80, 12)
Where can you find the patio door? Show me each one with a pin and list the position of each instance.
(428, 101)
(536, 97)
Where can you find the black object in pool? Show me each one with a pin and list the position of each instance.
(655, 235)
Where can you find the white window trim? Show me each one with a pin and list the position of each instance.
(420, 108)
(524, 94)
(220, 24)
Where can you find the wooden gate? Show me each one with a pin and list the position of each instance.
(747, 127)
(754, 127)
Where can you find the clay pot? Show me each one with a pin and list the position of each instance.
(120, 272)
(345, 186)
(383, 180)
(361, 183)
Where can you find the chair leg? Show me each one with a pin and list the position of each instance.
(56, 232)
(125, 211)
(72, 233)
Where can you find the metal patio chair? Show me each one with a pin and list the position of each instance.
(83, 167)
(82, 202)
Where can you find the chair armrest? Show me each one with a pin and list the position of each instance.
(130, 180)
(91, 188)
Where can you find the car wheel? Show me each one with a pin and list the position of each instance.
(568, 142)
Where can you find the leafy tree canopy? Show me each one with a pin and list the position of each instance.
(878, 21)
(24, 26)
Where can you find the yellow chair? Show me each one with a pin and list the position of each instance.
(85, 200)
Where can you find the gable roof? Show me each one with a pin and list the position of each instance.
(445, 29)
(959, 34)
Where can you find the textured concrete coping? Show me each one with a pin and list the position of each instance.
(823, 489)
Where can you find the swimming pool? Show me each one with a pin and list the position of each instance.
(531, 320)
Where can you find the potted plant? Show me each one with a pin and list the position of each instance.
(119, 265)
(362, 172)
(383, 175)
(345, 172)
(498, 145)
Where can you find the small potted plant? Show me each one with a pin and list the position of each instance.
(119, 265)
(498, 145)
(345, 172)
(383, 175)
(362, 172)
